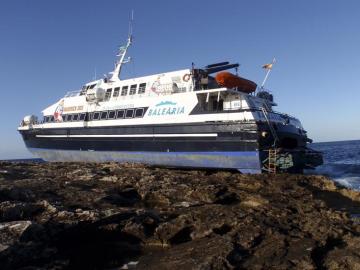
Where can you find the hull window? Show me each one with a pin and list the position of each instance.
(103, 115)
(111, 115)
(139, 112)
(67, 118)
(129, 113)
(96, 116)
(120, 114)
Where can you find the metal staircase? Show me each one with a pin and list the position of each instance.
(273, 153)
(272, 158)
(272, 130)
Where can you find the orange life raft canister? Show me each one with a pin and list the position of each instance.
(229, 80)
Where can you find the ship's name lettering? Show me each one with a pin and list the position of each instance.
(166, 111)
(73, 108)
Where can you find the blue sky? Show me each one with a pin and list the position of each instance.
(50, 47)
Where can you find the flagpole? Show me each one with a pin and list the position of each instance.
(267, 73)
(266, 76)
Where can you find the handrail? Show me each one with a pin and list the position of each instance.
(272, 130)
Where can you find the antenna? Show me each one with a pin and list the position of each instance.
(122, 52)
(268, 67)
(131, 24)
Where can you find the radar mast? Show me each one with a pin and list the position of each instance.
(115, 75)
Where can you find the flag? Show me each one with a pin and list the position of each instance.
(268, 66)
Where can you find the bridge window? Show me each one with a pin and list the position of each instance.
(103, 115)
(142, 88)
(139, 112)
(108, 94)
(120, 114)
(124, 90)
(111, 115)
(129, 113)
(133, 89)
(116, 91)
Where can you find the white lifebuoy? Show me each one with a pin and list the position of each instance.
(186, 77)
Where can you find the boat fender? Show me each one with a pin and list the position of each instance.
(186, 77)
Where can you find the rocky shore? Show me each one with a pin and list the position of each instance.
(124, 216)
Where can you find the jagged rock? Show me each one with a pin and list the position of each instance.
(17, 211)
(206, 253)
(10, 232)
(109, 215)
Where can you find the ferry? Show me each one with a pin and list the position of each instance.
(195, 118)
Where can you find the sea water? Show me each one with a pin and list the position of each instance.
(341, 162)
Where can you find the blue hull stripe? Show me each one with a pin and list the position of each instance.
(247, 162)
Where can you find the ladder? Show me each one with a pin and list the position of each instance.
(272, 161)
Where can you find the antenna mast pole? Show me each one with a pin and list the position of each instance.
(268, 67)
(122, 52)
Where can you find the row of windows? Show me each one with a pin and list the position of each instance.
(103, 115)
(124, 90)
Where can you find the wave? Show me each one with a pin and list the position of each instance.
(352, 182)
(345, 174)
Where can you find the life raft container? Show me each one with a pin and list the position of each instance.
(229, 80)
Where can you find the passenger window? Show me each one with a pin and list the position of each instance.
(116, 92)
(51, 119)
(103, 115)
(75, 117)
(120, 114)
(108, 94)
(129, 113)
(139, 112)
(124, 90)
(96, 116)
(111, 115)
(82, 117)
(133, 89)
(142, 87)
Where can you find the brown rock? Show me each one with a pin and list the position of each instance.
(109, 215)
